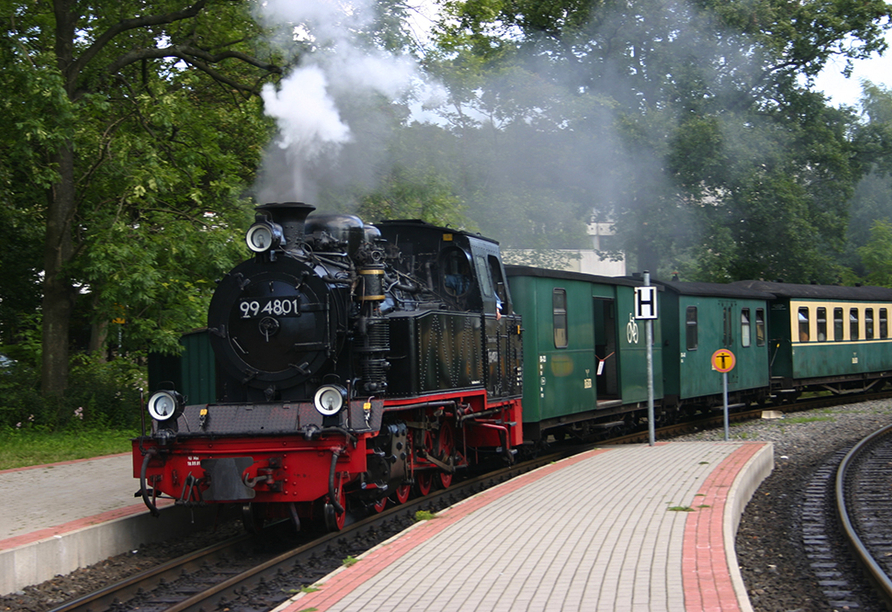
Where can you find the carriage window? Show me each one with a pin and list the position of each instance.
(821, 320)
(838, 325)
(884, 323)
(853, 323)
(691, 327)
(868, 323)
(728, 324)
(745, 327)
(803, 324)
(760, 327)
(559, 310)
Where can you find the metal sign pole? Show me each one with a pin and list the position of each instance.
(650, 372)
(725, 397)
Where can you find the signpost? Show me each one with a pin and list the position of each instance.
(646, 308)
(724, 361)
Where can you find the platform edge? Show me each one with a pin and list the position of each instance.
(756, 469)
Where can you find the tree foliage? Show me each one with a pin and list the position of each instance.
(133, 129)
(684, 122)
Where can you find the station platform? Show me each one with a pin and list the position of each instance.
(624, 528)
(59, 517)
(619, 528)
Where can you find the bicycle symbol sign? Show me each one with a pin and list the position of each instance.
(632, 330)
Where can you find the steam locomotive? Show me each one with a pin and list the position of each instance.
(348, 364)
(355, 361)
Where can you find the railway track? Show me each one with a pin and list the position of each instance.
(864, 505)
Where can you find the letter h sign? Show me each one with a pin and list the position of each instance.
(645, 302)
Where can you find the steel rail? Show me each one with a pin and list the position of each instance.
(876, 573)
(125, 589)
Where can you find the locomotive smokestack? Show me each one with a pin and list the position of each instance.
(291, 216)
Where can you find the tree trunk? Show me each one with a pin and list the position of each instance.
(58, 293)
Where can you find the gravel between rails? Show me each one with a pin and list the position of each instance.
(773, 557)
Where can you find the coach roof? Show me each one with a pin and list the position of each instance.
(819, 292)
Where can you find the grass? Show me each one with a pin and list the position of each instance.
(25, 447)
(811, 419)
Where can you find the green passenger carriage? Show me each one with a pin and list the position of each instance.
(827, 338)
(583, 349)
(701, 318)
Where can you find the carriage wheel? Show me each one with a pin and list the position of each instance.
(380, 505)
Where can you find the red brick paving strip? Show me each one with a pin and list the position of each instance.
(706, 578)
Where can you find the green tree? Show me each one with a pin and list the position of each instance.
(131, 122)
(683, 122)
(877, 254)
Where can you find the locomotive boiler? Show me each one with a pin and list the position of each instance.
(354, 363)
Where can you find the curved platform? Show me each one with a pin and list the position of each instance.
(621, 528)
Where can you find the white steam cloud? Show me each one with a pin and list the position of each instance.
(312, 104)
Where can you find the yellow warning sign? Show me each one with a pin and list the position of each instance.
(723, 360)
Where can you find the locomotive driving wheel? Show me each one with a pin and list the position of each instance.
(423, 482)
(402, 492)
(253, 517)
(424, 479)
(444, 451)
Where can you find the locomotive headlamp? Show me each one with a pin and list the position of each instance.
(263, 236)
(165, 405)
(330, 399)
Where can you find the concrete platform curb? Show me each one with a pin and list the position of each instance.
(757, 469)
(67, 550)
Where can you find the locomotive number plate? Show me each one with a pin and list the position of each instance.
(265, 307)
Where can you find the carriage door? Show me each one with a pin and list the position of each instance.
(605, 348)
(730, 323)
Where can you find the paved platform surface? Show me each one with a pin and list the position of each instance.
(48, 496)
(628, 528)
(59, 517)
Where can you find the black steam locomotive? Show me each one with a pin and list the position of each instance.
(354, 362)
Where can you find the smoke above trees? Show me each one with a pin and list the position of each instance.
(683, 123)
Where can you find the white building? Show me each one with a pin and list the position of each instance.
(588, 261)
